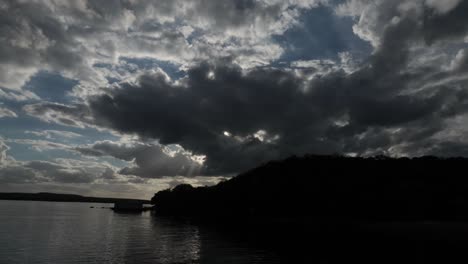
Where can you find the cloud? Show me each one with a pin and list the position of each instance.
(433, 29)
(438, 20)
(53, 134)
(339, 111)
(195, 182)
(71, 38)
(54, 171)
(237, 113)
(17, 175)
(60, 173)
(3, 152)
(219, 110)
(85, 177)
(148, 160)
(20, 95)
(40, 145)
(5, 112)
(68, 115)
(442, 6)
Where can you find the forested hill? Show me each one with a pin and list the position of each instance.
(57, 197)
(378, 188)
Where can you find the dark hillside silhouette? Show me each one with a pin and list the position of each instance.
(332, 188)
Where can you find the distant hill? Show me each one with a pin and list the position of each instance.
(56, 197)
(331, 187)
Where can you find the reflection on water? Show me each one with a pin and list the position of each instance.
(46, 232)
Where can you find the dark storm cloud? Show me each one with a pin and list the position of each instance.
(461, 62)
(453, 24)
(197, 114)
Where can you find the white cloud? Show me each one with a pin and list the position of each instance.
(17, 95)
(55, 170)
(147, 160)
(442, 6)
(3, 152)
(66, 115)
(5, 112)
(52, 134)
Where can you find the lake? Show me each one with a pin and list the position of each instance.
(55, 232)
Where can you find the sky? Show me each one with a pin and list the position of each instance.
(123, 98)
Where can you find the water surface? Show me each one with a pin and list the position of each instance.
(55, 232)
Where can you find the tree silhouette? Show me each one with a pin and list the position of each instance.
(331, 187)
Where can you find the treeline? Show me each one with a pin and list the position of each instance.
(332, 187)
(57, 197)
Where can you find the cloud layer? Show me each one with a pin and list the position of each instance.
(72, 38)
(211, 88)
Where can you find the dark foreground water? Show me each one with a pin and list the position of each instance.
(48, 232)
